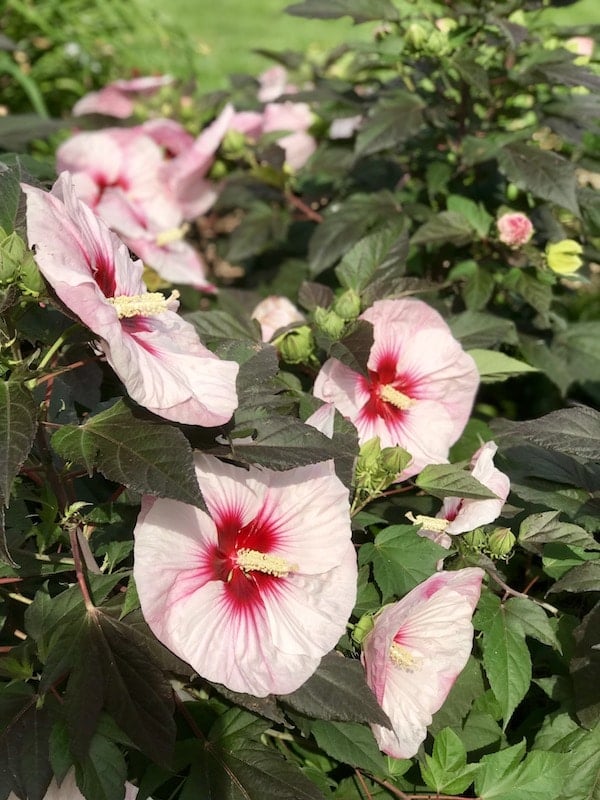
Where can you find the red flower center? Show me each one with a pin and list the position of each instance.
(391, 392)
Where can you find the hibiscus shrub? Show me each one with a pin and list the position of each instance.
(300, 456)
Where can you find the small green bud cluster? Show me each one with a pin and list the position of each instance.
(296, 346)
(17, 265)
(377, 468)
(347, 305)
(497, 544)
(329, 321)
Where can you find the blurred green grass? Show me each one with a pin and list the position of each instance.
(225, 35)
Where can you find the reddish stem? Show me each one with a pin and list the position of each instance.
(308, 212)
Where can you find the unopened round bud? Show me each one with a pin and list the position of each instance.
(30, 278)
(500, 542)
(347, 305)
(417, 35)
(475, 540)
(296, 346)
(329, 322)
(394, 459)
(12, 252)
(233, 145)
(369, 453)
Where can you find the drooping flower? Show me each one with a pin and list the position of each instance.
(275, 312)
(117, 99)
(156, 353)
(414, 653)
(420, 385)
(460, 514)
(514, 229)
(255, 592)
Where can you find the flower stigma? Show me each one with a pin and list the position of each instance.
(142, 305)
(171, 235)
(401, 657)
(395, 398)
(255, 561)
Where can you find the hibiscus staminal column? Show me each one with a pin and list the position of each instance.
(254, 593)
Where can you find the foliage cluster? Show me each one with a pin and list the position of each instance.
(451, 119)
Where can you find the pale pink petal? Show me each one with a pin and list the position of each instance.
(168, 134)
(432, 626)
(108, 101)
(250, 123)
(298, 148)
(287, 117)
(273, 83)
(409, 311)
(275, 312)
(323, 419)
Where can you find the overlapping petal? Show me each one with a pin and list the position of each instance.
(254, 629)
(415, 652)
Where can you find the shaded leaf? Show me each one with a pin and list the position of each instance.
(533, 620)
(387, 247)
(546, 527)
(102, 773)
(359, 10)
(351, 744)
(585, 668)
(449, 480)
(18, 424)
(542, 172)
(582, 578)
(337, 691)
(149, 457)
(445, 227)
(494, 367)
(354, 348)
(282, 443)
(538, 777)
(393, 121)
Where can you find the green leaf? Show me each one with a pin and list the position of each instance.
(468, 686)
(385, 248)
(282, 443)
(262, 227)
(480, 730)
(582, 578)
(401, 559)
(533, 291)
(337, 691)
(584, 668)
(359, 10)
(393, 121)
(581, 763)
(533, 621)
(542, 172)
(449, 480)
(101, 775)
(18, 424)
(547, 527)
(494, 367)
(446, 770)
(350, 743)
(538, 777)
(354, 348)
(148, 457)
(477, 330)
(215, 327)
(475, 213)
(443, 228)
(472, 73)
(506, 658)
(11, 212)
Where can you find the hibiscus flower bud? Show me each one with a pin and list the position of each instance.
(417, 35)
(475, 540)
(394, 459)
(364, 626)
(500, 542)
(329, 322)
(273, 313)
(564, 257)
(12, 251)
(347, 305)
(515, 229)
(296, 346)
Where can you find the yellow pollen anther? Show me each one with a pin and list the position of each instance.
(255, 561)
(142, 305)
(401, 657)
(171, 235)
(434, 524)
(396, 398)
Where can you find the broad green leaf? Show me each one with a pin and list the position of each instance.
(359, 10)
(10, 192)
(401, 559)
(539, 355)
(337, 691)
(533, 291)
(574, 431)
(494, 367)
(449, 480)
(262, 227)
(18, 424)
(149, 457)
(539, 777)
(282, 443)
(215, 327)
(393, 121)
(446, 769)
(480, 730)
(533, 620)
(354, 348)
(445, 227)
(578, 347)
(547, 527)
(475, 213)
(506, 659)
(350, 743)
(585, 668)
(542, 172)
(101, 775)
(384, 248)
(581, 763)
(477, 330)
(582, 578)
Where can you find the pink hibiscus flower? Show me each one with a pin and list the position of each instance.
(253, 594)
(156, 354)
(420, 388)
(273, 313)
(68, 789)
(459, 514)
(117, 99)
(415, 652)
(514, 229)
